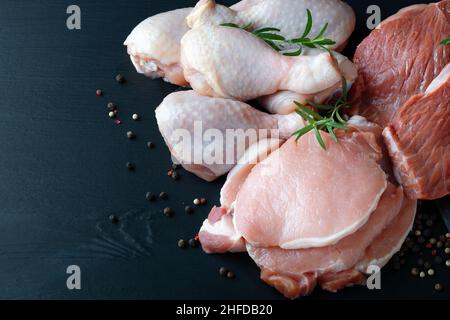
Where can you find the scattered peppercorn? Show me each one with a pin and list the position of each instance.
(192, 243)
(447, 263)
(427, 264)
(120, 78)
(422, 274)
(175, 176)
(202, 201)
(135, 117)
(111, 114)
(113, 218)
(230, 275)
(438, 287)
(150, 196)
(129, 166)
(417, 233)
(196, 201)
(168, 211)
(447, 235)
(415, 272)
(117, 121)
(439, 244)
(111, 106)
(430, 272)
(433, 240)
(99, 92)
(181, 243)
(447, 250)
(131, 135)
(150, 145)
(169, 172)
(163, 195)
(188, 210)
(223, 271)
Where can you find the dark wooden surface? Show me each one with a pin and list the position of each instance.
(62, 168)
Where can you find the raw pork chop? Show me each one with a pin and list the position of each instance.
(418, 140)
(399, 59)
(218, 234)
(307, 185)
(209, 135)
(287, 269)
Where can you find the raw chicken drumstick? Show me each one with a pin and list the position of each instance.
(210, 157)
(232, 63)
(154, 45)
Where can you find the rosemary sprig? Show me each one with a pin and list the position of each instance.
(446, 41)
(272, 37)
(318, 41)
(329, 120)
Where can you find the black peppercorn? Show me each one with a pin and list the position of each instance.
(131, 135)
(193, 243)
(99, 92)
(188, 210)
(150, 196)
(230, 275)
(129, 166)
(223, 271)
(175, 176)
(120, 78)
(427, 264)
(111, 106)
(163, 195)
(150, 145)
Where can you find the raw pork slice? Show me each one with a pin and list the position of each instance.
(418, 140)
(311, 197)
(287, 269)
(218, 233)
(399, 59)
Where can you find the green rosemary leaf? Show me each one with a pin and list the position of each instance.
(308, 111)
(446, 41)
(271, 36)
(309, 22)
(268, 29)
(298, 134)
(319, 138)
(272, 44)
(338, 126)
(231, 25)
(331, 132)
(338, 116)
(294, 53)
(305, 116)
(322, 31)
(319, 106)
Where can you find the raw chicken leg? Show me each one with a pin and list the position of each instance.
(154, 45)
(208, 135)
(283, 102)
(287, 15)
(232, 63)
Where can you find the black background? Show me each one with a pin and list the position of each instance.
(62, 168)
